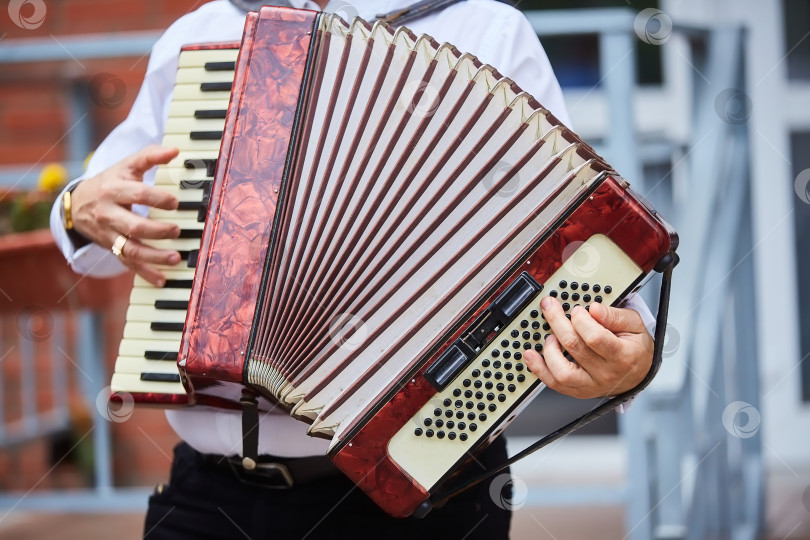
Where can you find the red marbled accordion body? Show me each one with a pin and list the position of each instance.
(254, 150)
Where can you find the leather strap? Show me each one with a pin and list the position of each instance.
(401, 16)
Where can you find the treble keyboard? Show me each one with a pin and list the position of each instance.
(146, 366)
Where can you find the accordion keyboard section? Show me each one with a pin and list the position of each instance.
(146, 366)
(481, 394)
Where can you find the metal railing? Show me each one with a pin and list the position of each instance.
(694, 474)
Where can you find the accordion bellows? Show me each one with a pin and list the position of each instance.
(385, 214)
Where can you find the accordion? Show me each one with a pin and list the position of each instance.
(369, 244)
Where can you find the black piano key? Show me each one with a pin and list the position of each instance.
(190, 233)
(160, 355)
(172, 304)
(189, 205)
(194, 184)
(178, 284)
(220, 66)
(205, 135)
(210, 113)
(166, 326)
(216, 86)
(183, 254)
(160, 377)
(193, 255)
(209, 164)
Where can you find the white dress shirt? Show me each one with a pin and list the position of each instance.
(498, 34)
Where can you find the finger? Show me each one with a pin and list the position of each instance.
(564, 330)
(148, 272)
(127, 193)
(599, 339)
(148, 157)
(569, 377)
(537, 365)
(617, 319)
(134, 226)
(137, 252)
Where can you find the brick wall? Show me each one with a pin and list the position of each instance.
(34, 116)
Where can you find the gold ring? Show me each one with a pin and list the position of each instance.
(118, 246)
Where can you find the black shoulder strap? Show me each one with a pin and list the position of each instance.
(400, 16)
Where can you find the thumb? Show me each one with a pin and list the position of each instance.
(140, 162)
(617, 319)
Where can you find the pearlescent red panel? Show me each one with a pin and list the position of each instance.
(254, 149)
(611, 210)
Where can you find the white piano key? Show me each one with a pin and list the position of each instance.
(189, 195)
(193, 156)
(172, 176)
(195, 74)
(173, 215)
(138, 365)
(149, 295)
(137, 348)
(193, 92)
(200, 58)
(178, 244)
(132, 383)
(186, 109)
(184, 143)
(141, 330)
(185, 125)
(138, 313)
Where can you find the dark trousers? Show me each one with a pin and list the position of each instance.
(204, 500)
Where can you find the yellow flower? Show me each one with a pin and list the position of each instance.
(52, 177)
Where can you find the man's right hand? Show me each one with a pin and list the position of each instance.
(101, 209)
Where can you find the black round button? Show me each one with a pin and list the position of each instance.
(476, 373)
(470, 416)
(478, 383)
(518, 356)
(484, 363)
(429, 433)
(437, 412)
(495, 353)
(507, 365)
(487, 374)
(504, 343)
(538, 347)
(597, 288)
(459, 403)
(439, 422)
(496, 365)
(450, 424)
(574, 285)
(585, 287)
(452, 435)
(546, 327)
(515, 344)
(510, 376)
(448, 413)
(479, 395)
(524, 323)
(462, 425)
(527, 346)
(536, 336)
(501, 397)
(488, 386)
(535, 325)
(460, 414)
(481, 406)
(598, 299)
(608, 289)
(511, 387)
(466, 382)
(468, 393)
(575, 297)
(553, 294)
(499, 387)
(473, 427)
(519, 367)
(492, 407)
(515, 332)
(417, 431)
(564, 295)
(440, 434)
(457, 392)
(490, 396)
(526, 334)
(534, 314)
(563, 284)
(507, 354)
(586, 297)
(498, 375)
(447, 402)
(566, 306)
(521, 377)
(470, 405)
(428, 422)
(463, 437)
(482, 417)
